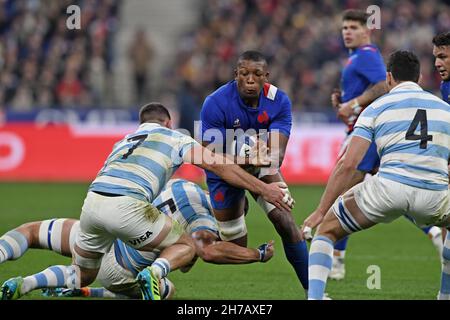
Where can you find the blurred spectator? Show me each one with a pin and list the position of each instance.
(44, 64)
(69, 90)
(141, 54)
(302, 42)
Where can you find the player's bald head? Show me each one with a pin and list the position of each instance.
(153, 112)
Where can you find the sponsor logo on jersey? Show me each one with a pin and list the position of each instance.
(141, 238)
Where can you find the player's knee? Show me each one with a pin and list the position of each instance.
(232, 229)
(285, 225)
(30, 231)
(87, 260)
(86, 277)
(50, 234)
(329, 230)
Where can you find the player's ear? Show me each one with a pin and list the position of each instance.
(168, 124)
(235, 73)
(388, 79)
(420, 78)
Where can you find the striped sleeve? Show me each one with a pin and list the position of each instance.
(365, 126)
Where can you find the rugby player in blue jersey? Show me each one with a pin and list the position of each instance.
(362, 81)
(118, 205)
(181, 200)
(249, 103)
(413, 175)
(441, 51)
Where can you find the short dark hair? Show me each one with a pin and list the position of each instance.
(442, 39)
(252, 55)
(355, 15)
(404, 66)
(153, 111)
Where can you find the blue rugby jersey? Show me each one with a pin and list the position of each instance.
(364, 67)
(445, 91)
(184, 202)
(224, 109)
(141, 164)
(411, 129)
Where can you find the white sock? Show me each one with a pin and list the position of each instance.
(161, 267)
(53, 277)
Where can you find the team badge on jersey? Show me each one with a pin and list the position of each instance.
(263, 117)
(219, 196)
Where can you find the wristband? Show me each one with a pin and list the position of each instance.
(356, 107)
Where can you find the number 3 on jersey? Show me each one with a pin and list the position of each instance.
(424, 137)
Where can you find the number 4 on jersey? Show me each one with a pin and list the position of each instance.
(424, 137)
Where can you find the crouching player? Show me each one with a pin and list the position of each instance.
(184, 201)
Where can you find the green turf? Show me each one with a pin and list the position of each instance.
(409, 264)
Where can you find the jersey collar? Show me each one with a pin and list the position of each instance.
(407, 86)
(149, 125)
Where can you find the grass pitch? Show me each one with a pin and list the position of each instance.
(409, 263)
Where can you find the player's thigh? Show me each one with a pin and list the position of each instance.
(57, 235)
(430, 207)
(227, 201)
(343, 218)
(267, 177)
(117, 279)
(153, 230)
(379, 200)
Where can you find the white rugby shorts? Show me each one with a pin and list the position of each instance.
(137, 223)
(383, 200)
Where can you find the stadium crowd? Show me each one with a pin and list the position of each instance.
(44, 64)
(302, 42)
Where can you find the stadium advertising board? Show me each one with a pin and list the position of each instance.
(63, 152)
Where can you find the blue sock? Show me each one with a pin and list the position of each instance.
(320, 263)
(297, 255)
(341, 245)
(444, 292)
(13, 245)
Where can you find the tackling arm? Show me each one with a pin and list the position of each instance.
(236, 176)
(210, 249)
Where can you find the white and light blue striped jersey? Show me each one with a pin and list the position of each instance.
(188, 204)
(411, 128)
(184, 202)
(141, 164)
